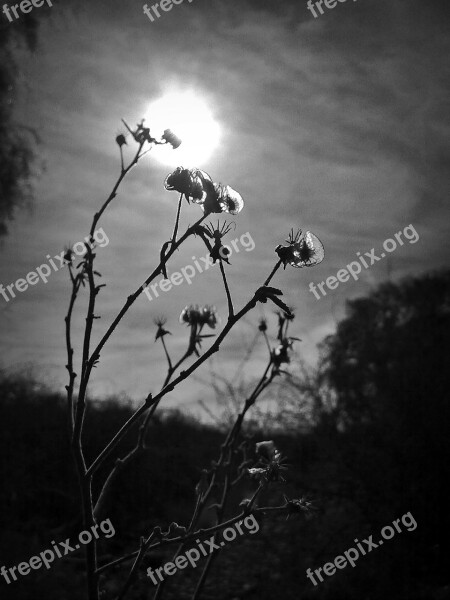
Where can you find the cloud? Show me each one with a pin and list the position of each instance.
(336, 124)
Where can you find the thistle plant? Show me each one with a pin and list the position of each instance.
(237, 458)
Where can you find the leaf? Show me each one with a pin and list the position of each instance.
(281, 304)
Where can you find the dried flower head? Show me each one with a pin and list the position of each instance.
(161, 332)
(267, 450)
(216, 233)
(192, 183)
(196, 315)
(68, 255)
(141, 134)
(302, 250)
(196, 185)
(281, 354)
(296, 506)
(229, 200)
(271, 471)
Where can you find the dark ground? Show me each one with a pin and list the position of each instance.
(381, 452)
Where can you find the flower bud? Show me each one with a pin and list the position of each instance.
(120, 140)
(171, 138)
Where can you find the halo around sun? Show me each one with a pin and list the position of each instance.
(189, 117)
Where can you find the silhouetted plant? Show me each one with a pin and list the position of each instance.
(237, 458)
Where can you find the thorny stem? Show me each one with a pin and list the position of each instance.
(85, 485)
(85, 482)
(90, 313)
(77, 449)
(69, 366)
(78, 426)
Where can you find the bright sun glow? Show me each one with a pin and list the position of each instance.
(190, 119)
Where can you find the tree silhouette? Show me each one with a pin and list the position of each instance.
(387, 357)
(388, 367)
(17, 142)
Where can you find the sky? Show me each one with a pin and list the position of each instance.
(337, 124)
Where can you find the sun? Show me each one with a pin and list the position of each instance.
(189, 117)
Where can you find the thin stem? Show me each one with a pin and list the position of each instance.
(86, 368)
(170, 371)
(137, 563)
(119, 435)
(120, 465)
(246, 357)
(227, 290)
(274, 270)
(177, 220)
(113, 194)
(122, 166)
(186, 538)
(200, 503)
(168, 388)
(190, 350)
(88, 518)
(153, 402)
(267, 342)
(212, 557)
(91, 307)
(166, 353)
(140, 445)
(191, 536)
(69, 366)
(132, 298)
(226, 450)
